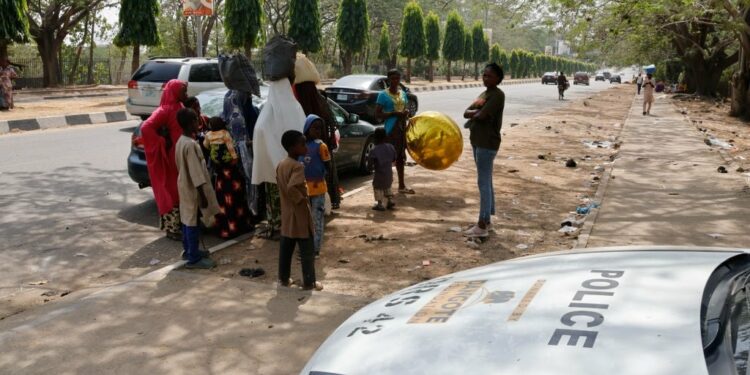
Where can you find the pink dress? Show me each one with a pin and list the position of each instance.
(7, 75)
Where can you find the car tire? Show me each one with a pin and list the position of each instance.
(369, 145)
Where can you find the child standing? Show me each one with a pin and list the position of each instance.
(317, 164)
(296, 220)
(194, 189)
(381, 161)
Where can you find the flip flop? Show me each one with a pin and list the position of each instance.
(406, 191)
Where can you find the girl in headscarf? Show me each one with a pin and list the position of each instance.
(160, 133)
(7, 75)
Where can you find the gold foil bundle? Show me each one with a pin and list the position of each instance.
(434, 140)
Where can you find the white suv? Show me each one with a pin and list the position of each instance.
(145, 88)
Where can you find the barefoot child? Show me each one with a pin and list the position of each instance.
(381, 161)
(317, 164)
(296, 220)
(194, 189)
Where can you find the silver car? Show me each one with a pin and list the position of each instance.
(627, 311)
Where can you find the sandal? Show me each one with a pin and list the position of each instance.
(316, 285)
(288, 284)
(406, 191)
(378, 207)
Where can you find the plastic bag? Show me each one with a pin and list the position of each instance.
(279, 56)
(305, 70)
(238, 74)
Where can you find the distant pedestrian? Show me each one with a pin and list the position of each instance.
(296, 220)
(196, 194)
(160, 133)
(639, 82)
(317, 164)
(649, 85)
(562, 85)
(485, 117)
(381, 160)
(392, 108)
(7, 75)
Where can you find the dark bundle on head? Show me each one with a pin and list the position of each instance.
(379, 135)
(291, 138)
(497, 69)
(216, 124)
(190, 102)
(186, 117)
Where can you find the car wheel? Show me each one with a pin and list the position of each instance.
(369, 145)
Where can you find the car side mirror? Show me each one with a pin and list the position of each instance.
(353, 118)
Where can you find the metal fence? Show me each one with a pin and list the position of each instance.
(106, 71)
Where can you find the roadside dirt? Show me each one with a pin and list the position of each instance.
(370, 254)
(63, 107)
(721, 131)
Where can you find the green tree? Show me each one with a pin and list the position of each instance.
(496, 54)
(468, 51)
(14, 27)
(504, 61)
(432, 39)
(412, 35)
(384, 46)
(137, 23)
(515, 71)
(480, 49)
(352, 30)
(453, 43)
(242, 22)
(304, 25)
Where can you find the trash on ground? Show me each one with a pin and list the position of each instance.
(252, 272)
(598, 169)
(81, 255)
(426, 263)
(584, 210)
(513, 171)
(522, 246)
(715, 236)
(344, 260)
(713, 141)
(455, 229)
(598, 144)
(225, 261)
(154, 262)
(49, 293)
(721, 169)
(568, 230)
(537, 178)
(40, 282)
(571, 163)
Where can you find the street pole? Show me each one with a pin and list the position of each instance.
(199, 34)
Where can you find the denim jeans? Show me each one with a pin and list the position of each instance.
(318, 208)
(485, 159)
(190, 243)
(306, 253)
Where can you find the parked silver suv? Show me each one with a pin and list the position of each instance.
(146, 85)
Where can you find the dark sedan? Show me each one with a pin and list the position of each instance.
(549, 77)
(615, 78)
(358, 94)
(354, 146)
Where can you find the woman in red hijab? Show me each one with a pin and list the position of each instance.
(160, 133)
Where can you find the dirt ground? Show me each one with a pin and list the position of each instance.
(711, 117)
(46, 108)
(370, 254)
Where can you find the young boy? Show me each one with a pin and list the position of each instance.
(317, 164)
(381, 161)
(194, 188)
(296, 220)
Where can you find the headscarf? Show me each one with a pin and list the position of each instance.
(313, 103)
(309, 121)
(160, 133)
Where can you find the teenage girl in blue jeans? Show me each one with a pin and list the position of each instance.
(485, 117)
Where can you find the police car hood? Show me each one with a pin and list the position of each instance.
(605, 312)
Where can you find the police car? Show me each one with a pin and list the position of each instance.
(634, 311)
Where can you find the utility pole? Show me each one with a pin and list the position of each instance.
(199, 36)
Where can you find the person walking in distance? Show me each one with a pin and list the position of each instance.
(639, 82)
(649, 84)
(562, 85)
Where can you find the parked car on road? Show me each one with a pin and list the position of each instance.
(599, 77)
(607, 75)
(615, 78)
(581, 78)
(146, 85)
(354, 146)
(627, 311)
(358, 93)
(549, 77)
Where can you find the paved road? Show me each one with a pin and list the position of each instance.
(72, 218)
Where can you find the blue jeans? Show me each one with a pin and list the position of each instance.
(190, 243)
(485, 159)
(318, 208)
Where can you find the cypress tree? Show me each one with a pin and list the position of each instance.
(384, 53)
(412, 35)
(432, 36)
(453, 43)
(242, 24)
(304, 25)
(468, 51)
(353, 24)
(137, 22)
(478, 41)
(495, 54)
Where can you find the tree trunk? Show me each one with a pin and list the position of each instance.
(77, 60)
(476, 71)
(346, 60)
(448, 75)
(121, 66)
(136, 59)
(3, 49)
(249, 50)
(463, 71)
(90, 74)
(432, 71)
(408, 70)
(49, 48)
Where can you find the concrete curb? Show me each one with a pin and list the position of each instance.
(601, 190)
(52, 122)
(457, 86)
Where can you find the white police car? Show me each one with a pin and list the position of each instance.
(634, 311)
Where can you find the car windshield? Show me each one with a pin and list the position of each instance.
(212, 101)
(355, 82)
(549, 73)
(157, 71)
